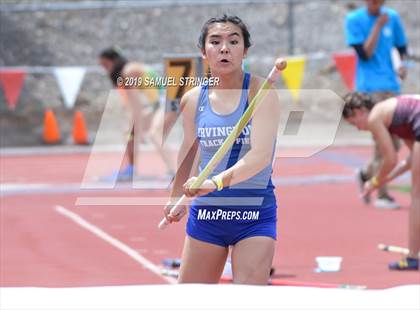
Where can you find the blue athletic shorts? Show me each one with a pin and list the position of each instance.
(225, 226)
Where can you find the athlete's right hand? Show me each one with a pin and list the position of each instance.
(382, 19)
(368, 188)
(173, 217)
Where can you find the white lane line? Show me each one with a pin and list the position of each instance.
(53, 188)
(114, 242)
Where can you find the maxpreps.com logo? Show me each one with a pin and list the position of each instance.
(219, 214)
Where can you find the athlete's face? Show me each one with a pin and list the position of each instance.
(374, 6)
(359, 119)
(107, 64)
(224, 48)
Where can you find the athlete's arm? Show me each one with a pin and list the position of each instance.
(360, 51)
(263, 138)
(380, 133)
(135, 100)
(189, 152)
(370, 44)
(402, 70)
(402, 167)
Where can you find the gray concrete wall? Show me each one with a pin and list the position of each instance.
(74, 37)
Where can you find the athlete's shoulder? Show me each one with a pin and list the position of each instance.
(192, 94)
(382, 110)
(356, 14)
(271, 95)
(414, 97)
(134, 69)
(189, 100)
(255, 82)
(391, 12)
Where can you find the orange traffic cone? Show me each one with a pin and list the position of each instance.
(51, 131)
(80, 135)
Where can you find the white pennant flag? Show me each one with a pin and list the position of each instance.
(69, 79)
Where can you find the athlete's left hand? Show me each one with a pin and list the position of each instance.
(402, 72)
(368, 188)
(205, 188)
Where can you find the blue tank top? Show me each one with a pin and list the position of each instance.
(211, 131)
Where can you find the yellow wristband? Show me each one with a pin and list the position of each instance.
(374, 181)
(218, 181)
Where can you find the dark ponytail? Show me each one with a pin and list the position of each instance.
(115, 55)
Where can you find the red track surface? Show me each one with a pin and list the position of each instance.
(40, 247)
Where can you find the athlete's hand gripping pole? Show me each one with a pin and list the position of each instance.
(279, 66)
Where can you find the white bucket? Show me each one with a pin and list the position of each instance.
(329, 263)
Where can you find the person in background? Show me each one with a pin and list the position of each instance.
(400, 116)
(142, 102)
(374, 31)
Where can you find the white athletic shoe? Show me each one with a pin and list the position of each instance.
(386, 203)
